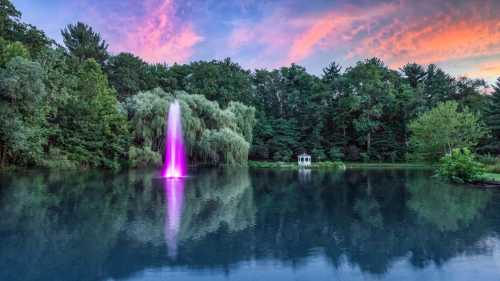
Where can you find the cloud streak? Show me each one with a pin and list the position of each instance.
(447, 36)
(335, 26)
(150, 29)
(462, 36)
(160, 36)
(398, 32)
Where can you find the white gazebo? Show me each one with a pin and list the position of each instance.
(304, 160)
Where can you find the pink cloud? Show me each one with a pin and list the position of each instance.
(158, 35)
(433, 40)
(399, 32)
(336, 26)
(291, 38)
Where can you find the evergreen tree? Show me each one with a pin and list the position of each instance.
(83, 43)
(9, 18)
(492, 117)
(127, 74)
(331, 72)
(415, 74)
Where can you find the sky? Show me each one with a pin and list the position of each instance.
(462, 37)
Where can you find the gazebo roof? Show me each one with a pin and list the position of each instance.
(304, 154)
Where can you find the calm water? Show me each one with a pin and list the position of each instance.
(246, 225)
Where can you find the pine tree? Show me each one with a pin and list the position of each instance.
(492, 117)
(83, 43)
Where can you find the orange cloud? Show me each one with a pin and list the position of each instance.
(291, 38)
(490, 69)
(160, 36)
(397, 32)
(337, 26)
(453, 34)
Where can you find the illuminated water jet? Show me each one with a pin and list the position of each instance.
(175, 165)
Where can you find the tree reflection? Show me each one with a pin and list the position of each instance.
(88, 226)
(447, 207)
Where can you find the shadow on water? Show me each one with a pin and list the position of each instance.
(95, 226)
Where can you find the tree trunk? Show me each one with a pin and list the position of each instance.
(2, 156)
(368, 142)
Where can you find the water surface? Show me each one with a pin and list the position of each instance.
(246, 225)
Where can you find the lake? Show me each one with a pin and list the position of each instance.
(239, 224)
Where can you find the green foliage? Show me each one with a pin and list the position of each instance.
(83, 43)
(143, 156)
(224, 146)
(93, 129)
(222, 81)
(460, 166)
(212, 135)
(9, 17)
(147, 112)
(365, 112)
(318, 154)
(335, 153)
(127, 74)
(414, 73)
(492, 119)
(10, 50)
(439, 131)
(13, 30)
(22, 114)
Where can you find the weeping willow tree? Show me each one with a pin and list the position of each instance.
(212, 134)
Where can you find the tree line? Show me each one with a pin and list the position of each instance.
(78, 105)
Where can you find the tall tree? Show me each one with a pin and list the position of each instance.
(444, 128)
(438, 86)
(12, 29)
(93, 127)
(84, 43)
(221, 81)
(415, 74)
(331, 72)
(22, 112)
(492, 117)
(372, 87)
(127, 74)
(9, 18)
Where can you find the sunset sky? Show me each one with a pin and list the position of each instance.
(463, 37)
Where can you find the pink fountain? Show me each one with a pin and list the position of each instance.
(174, 170)
(175, 165)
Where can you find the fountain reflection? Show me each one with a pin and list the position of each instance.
(174, 194)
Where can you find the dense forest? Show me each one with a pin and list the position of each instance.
(78, 105)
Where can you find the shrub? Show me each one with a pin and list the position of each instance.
(143, 156)
(335, 153)
(318, 154)
(460, 166)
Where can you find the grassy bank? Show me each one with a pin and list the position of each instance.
(491, 177)
(356, 165)
(338, 165)
(293, 165)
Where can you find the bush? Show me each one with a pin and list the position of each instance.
(460, 166)
(335, 153)
(318, 154)
(143, 157)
